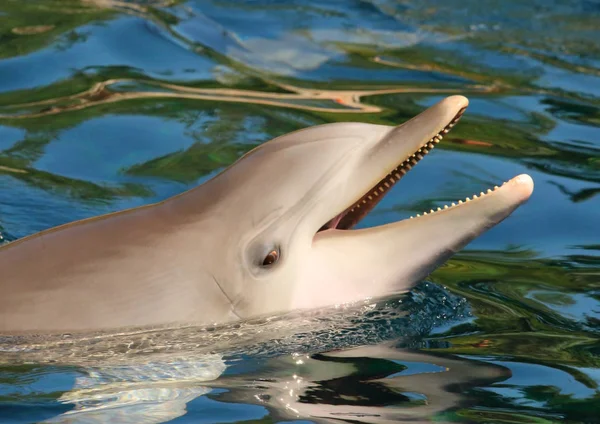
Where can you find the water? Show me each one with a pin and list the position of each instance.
(109, 104)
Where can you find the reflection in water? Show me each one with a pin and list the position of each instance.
(148, 393)
(110, 104)
(349, 101)
(377, 384)
(374, 384)
(580, 195)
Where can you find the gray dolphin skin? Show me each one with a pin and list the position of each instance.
(269, 234)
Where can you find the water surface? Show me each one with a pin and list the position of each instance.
(108, 104)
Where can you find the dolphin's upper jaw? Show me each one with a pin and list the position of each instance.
(353, 214)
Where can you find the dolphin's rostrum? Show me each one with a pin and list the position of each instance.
(271, 233)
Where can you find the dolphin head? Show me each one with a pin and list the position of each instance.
(291, 203)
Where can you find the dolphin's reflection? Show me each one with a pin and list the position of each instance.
(374, 384)
(150, 393)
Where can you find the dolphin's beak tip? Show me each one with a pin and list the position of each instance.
(457, 101)
(523, 186)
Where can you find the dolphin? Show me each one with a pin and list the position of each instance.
(271, 233)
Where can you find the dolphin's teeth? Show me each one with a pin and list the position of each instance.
(460, 202)
(402, 169)
(496, 187)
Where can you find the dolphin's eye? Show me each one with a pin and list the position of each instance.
(271, 258)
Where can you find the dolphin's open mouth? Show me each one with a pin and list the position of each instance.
(351, 264)
(361, 208)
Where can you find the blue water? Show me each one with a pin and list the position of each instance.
(507, 331)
